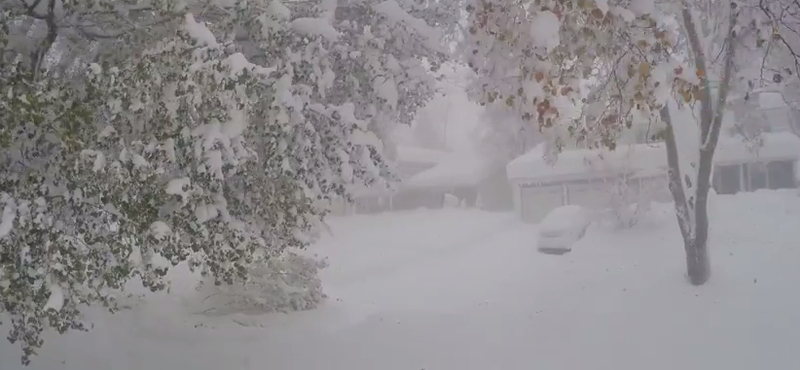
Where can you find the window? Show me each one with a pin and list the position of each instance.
(727, 179)
(781, 175)
(758, 176)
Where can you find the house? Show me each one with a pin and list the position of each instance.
(408, 161)
(475, 181)
(582, 176)
(771, 128)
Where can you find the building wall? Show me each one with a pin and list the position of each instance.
(533, 201)
(744, 177)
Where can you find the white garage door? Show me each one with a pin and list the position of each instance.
(537, 202)
(591, 196)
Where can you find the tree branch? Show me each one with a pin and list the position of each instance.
(706, 112)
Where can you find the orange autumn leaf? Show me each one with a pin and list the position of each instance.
(644, 69)
(699, 73)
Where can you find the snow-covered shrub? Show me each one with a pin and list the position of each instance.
(629, 198)
(629, 193)
(285, 283)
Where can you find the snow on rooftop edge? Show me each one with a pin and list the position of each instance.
(456, 170)
(638, 157)
(571, 162)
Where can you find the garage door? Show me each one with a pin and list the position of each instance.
(537, 202)
(591, 196)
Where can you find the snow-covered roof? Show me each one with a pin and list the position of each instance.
(410, 154)
(637, 157)
(377, 189)
(647, 157)
(776, 146)
(455, 170)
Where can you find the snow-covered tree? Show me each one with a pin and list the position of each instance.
(138, 135)
(504, 135)
(429, 127)
(449, 111)
(629, 190)
(383, 59)
(672, 61)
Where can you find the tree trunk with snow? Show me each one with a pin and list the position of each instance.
(691, 212)
(690, 184)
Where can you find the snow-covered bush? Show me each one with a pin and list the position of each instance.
(629, 193)
(630, 199)
(288, 282)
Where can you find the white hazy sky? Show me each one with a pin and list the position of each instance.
(450, 112)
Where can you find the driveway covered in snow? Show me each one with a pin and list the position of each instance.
(462, 290)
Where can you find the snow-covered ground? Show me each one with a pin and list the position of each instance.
(458, 289)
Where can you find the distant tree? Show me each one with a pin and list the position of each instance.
(504, 135)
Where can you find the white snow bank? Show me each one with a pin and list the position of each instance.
(466, 290)
(456, 170)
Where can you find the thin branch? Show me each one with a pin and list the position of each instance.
(706, 112)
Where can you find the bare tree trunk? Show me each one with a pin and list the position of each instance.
(698, 265)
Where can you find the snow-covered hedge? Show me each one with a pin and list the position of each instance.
(286, 283)
(630, 200)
